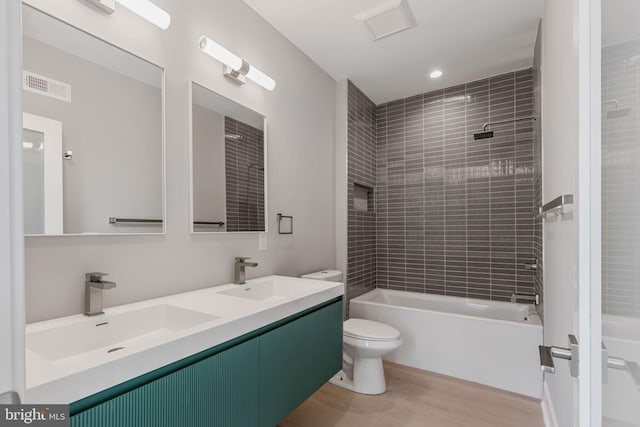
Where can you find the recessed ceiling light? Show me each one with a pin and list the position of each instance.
(435, 74)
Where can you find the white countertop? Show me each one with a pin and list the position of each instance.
(66, 380)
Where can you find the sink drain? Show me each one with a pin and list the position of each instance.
(114, 349)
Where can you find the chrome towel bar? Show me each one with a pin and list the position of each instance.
(555, 207)
(218, 223)
(115, 220)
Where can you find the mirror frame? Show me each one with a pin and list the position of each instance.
(266, 165)
(163, 132)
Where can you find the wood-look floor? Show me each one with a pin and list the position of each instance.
(417, 398)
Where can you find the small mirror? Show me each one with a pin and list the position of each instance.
(228, 153)
(93, 134)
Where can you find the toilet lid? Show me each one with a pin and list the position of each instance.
(369, 330)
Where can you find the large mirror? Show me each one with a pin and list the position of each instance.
(228, 165)
(93, 134)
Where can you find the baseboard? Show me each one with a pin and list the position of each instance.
(548, 411)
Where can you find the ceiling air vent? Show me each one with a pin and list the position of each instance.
(46, 86)
(388, 18)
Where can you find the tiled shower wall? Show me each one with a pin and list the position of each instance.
(621, 179)
(244, 169)
(455, 215)
(361, 224)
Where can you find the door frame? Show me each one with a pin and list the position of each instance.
(12, 306)
(589, 411)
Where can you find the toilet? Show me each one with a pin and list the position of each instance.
(364, 344)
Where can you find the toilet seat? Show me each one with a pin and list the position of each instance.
(369, 330)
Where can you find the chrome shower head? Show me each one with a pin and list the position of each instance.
(483, 135)
(617, 112)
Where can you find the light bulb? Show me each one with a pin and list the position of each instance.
(220, 53)
(148, 11)
(261, 78)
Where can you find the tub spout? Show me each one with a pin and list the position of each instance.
(532, 298)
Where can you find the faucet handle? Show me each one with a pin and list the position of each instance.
(242, 258)
(95, 276)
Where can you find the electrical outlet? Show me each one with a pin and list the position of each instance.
(262, 242)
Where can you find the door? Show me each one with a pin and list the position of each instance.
(42, 175)
(11, 233)
(608, 342)
(571, 166)
(620, 123)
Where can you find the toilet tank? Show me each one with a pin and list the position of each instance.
(326, 275)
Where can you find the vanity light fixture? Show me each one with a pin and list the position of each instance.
(235, 68)
(144, 8)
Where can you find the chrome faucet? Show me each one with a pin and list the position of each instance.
(241, 263)
(533, 298)
(93, 287)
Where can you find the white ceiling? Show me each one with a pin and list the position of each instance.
(467, 39)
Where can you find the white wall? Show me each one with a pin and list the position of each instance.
(560, 176)
(301, 114)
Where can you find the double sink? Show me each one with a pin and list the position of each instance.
(73, 357)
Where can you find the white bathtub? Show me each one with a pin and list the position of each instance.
(488, 342)
(620, 396)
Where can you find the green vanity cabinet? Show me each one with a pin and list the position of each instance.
(221, 390)
(296, 359)
(253, 380)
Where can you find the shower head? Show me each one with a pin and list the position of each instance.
(486, 134)
(617, 112)
(483, 135)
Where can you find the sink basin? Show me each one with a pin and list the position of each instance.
(274, 289)
(111, 333)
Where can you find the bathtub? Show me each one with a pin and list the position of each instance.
(487, 342)
(620, 396)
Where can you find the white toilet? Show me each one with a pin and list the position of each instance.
(364, 344)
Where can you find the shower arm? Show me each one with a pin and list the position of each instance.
(519, 119)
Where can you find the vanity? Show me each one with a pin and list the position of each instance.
(231, 355)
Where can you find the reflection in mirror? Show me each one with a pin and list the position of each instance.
(93, 133)
(228, 158)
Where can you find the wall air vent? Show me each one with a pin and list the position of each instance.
(46, 86)
(388, 18)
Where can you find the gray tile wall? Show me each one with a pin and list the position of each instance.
(537, 168)
(454, 216)
(361, 170)
(621, 179)
(244, 166)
